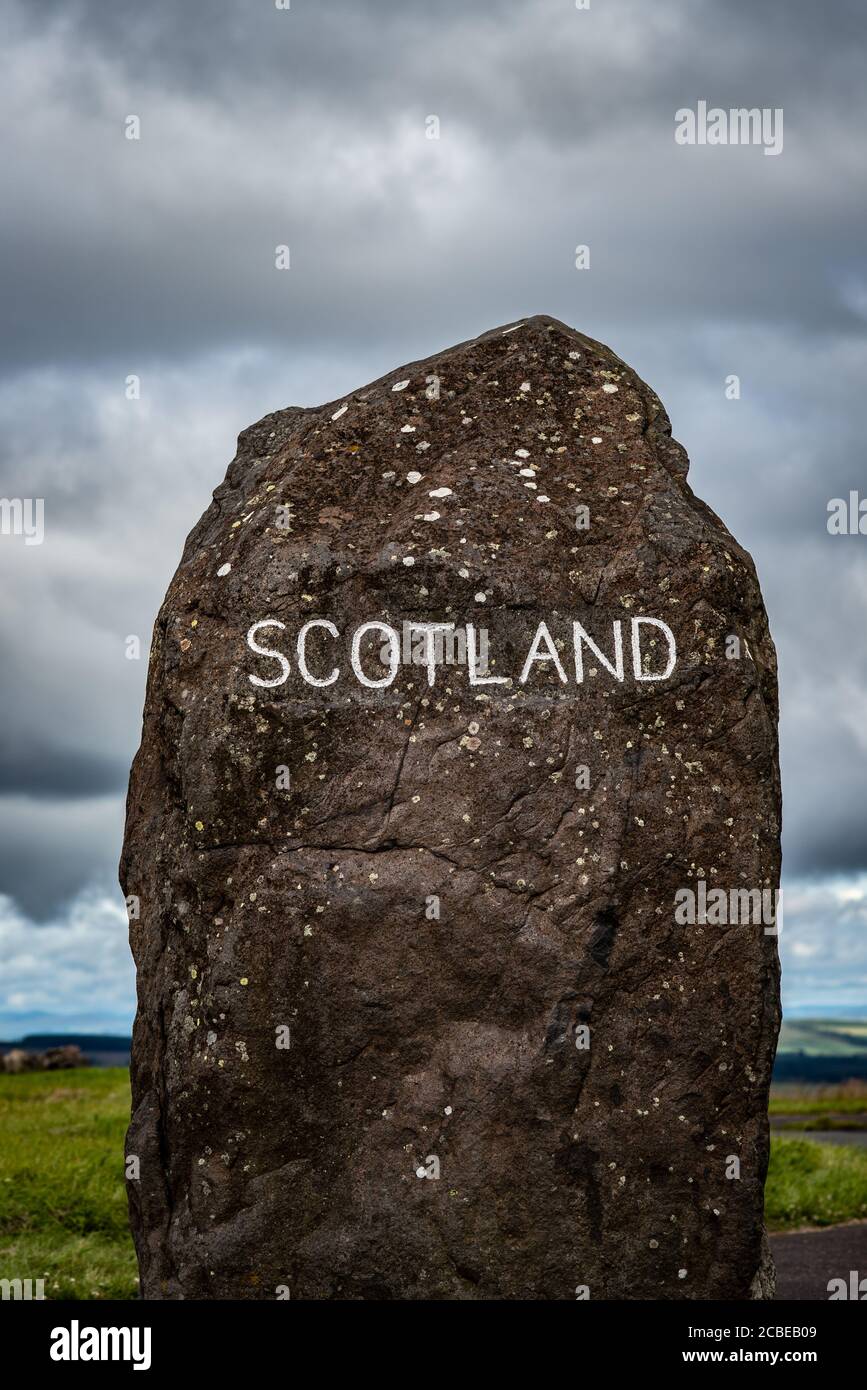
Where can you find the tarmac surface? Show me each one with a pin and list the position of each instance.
(808, 1260)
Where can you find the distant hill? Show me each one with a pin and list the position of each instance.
(101, 1049)
(818, 1050)
(822, 1050)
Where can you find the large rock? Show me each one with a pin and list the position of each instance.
(432, 926)
(18, 1059)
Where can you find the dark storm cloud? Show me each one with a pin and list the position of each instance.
(52, 852)
(261, 127)
(61, 772)
(339, 51)
(307, 127)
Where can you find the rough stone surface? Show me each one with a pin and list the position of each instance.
(417, 1039)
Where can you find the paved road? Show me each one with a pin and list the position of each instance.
(807, 1260)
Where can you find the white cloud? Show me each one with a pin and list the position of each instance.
(823, 946)
(74, 973)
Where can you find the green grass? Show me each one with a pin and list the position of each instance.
(63, 1211)
(792, 1098)
(814, 1184)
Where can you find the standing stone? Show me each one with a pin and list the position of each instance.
(419, 1014)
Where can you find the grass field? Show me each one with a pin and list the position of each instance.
(63, 1213)
(824, 1037)
(814, 1184)
(849, 1098)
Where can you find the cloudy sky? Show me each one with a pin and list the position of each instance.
(307, 127)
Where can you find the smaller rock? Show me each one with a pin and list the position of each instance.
(62, 1058)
